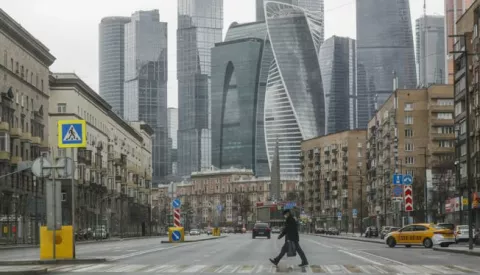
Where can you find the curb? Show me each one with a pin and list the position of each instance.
(465, 252)
(80, 242)
(350, 239)
(53, 262)
(26, 272)
(201, 240)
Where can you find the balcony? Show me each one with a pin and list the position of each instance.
(4, 127)
(442, 108)
(443, 150)
(15, 160)
(4, 155)
(438, 136)
(36, 140)
(26, 137)
(442, 122)
(16, 132)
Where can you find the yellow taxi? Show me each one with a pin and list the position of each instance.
(421, 234)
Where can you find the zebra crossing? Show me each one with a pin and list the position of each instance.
(250, 269)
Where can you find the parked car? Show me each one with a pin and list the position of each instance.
(333, 231)
(276, 230)
(387, 229)
(261, 229)
(194, 232)
(372, 231)
(320, 231)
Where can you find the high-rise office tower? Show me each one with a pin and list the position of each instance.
(145, 84)
(172, 140)
(453, 10)
(384, 51)
(239, 75)
(337, 65)
(294, 100)
(200, 24)
(430, 49)
(111, 61)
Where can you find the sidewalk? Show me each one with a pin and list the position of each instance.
(23, 270)
(193, 239)
(114, 239)
(352, 237)
(459, 250)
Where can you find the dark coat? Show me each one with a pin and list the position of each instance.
(290, 230)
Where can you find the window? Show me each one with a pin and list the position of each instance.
(41, 88)
(463, 127)
(408, 107)
(445, 130)
(23, 72)
(408, 120)
(22, 100)
(62, 107)
(409, 172)
(463, 150)
(445, 143)
(409, 160)
(445, 102)
(5, 59)
(31, 77)
(11, 62)
(444, 116)
(4, 142)
(408, 132)
(16, 67)
(409, 147)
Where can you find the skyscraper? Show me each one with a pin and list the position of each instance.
(453, 10)
(145, 85)
(200, 24)
(384, 50)
(294, 101)
(430, 49)
(111, 61)
(238, 95)
(337, 65)
(172, 140)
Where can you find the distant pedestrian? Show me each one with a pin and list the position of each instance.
(290, 231)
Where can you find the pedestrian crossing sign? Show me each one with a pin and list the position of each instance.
(72, 133)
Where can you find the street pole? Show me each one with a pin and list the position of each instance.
(73, 201)
(361, 204)
(427, 217)
(54, 210)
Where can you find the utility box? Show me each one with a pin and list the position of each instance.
(63, 240)
(176, 234)
(216, 232)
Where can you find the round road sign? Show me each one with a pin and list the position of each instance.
(176, 235)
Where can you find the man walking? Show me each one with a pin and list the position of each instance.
(290, 231)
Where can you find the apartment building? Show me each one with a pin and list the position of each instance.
(467, 74)
(236, 191)
(114, 172)
(24, 94)
(333, 177)
(411, 133)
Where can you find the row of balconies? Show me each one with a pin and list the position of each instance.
(18, 133)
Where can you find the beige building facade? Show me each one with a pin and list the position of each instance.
(237, 191)
(24, 103)
(412, 133)
(114, 172)
(333, 179)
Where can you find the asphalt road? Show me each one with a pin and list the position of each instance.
(242, 254)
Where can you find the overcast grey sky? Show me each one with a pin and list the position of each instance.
(70, 28)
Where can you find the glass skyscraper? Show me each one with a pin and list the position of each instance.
(337, 65)
(145, 86)
(294, 101)
(238, 94)
(200, 24)
(430, 49)
(111, 61)
(384, 51)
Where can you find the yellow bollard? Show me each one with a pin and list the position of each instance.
(64, 243)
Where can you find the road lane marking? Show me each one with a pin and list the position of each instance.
(321, 244)
(383, 258)
(194, 269)
(336, 269)
(246, 269)
(139, 253)
(228, 269)
(158, 268)
(93, 267)
(361, 257)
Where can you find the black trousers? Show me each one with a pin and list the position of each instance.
(285, 250)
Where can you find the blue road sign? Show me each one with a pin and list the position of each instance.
(219, 208)
(397, 179)
(354, 212)
(290, 205)
(176, 235)
(407, 179)
(397, 191)
(339, 214)
(176, 203)
(72, 133)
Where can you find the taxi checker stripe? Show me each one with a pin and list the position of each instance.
(176, 217)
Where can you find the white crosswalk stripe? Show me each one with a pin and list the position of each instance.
(250, 269)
